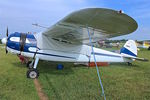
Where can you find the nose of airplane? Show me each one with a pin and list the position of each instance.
(4, 40)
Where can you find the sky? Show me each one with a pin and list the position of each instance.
(19, 15)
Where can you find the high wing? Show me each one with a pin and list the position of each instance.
(102, 23)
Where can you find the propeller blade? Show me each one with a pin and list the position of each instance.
(7, 32)
(6, 50)
(6, 42)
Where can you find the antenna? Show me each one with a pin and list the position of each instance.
(37, 25)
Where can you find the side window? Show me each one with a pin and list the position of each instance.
(31, 41)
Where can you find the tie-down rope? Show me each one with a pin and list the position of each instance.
(100, 81)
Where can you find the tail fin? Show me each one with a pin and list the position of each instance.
(129, 49)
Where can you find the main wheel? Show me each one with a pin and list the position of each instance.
(129, 64)
(149, 48)
(32, 73)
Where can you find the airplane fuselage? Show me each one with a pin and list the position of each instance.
(26, 45)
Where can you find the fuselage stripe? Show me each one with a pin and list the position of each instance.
(101, 54)
(55, 55)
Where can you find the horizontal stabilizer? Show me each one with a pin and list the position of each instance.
(136, 58)
(129, 51)
(142, 59)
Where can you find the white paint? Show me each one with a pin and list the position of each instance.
(32, 49)
(51, 55)
(15, 39)
(131, 46)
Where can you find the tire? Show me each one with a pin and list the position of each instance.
(129, 64)
(32, 73)
(149, 48)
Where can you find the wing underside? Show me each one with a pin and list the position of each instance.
(74, 34)
(102, 23)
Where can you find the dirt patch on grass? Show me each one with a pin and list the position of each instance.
(38, 87)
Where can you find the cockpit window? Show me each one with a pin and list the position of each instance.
(31, 41)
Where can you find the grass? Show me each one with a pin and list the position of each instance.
(121, 82)
(13, 83)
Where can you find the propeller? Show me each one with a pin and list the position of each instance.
(6, 39)
(22, 41)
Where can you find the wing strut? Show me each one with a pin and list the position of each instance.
(100, 81)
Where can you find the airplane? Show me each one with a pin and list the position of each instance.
(68, 40)
(145, 45)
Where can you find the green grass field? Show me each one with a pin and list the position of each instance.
(121, 82)
(13, 83)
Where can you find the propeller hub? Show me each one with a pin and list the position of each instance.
(4, 40)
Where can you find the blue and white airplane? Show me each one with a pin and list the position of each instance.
(67, 40)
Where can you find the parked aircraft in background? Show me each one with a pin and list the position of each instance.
(145, 44)
(108, 44)
(66, 40)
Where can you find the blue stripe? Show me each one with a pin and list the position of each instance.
(56, 55)
(53, 55)
(126, 51)
(105, 54)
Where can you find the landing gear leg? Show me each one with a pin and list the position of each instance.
(30, 64)
(33, 72)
